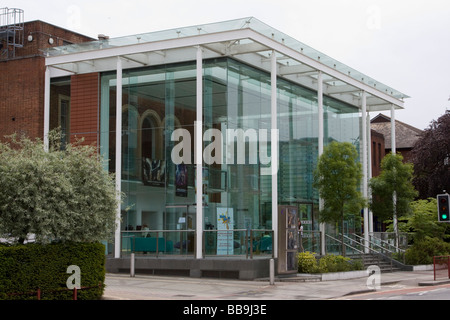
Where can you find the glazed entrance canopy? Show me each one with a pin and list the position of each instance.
(248, 40)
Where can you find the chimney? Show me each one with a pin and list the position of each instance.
(102, 37)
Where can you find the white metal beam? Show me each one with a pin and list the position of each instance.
(341, 89)
(320, 149)
(365, 181)
(118, 176)
(297, 69)
(325, 69)
(274, 151)
(261, 42)
(199, 157)
(46, 107)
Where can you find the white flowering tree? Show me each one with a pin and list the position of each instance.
(57, 195)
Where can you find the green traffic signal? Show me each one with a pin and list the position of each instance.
(443, 208)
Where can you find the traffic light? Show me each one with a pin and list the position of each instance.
(443, 207)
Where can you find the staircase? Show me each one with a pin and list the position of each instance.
(384, 263)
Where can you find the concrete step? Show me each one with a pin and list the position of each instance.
(368, 259)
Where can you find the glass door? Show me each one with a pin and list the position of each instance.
(307, 238)
(179, 224)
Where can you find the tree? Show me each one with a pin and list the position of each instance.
(63, 195)
(431, 158)
(392, 190)
(337, 178)
(424, 223)
(430, 237)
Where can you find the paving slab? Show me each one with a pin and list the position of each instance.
(148, 287)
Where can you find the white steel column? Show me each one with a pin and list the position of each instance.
(117, 241)
(274, 150)
(393, 146)
(198, 156)
(320, 111)
(320, 149)
(46, 107)
(394, 196)
(369, 163)
(364, 165)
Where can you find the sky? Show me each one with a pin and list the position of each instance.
(403, 44)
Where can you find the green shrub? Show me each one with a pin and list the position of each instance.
(333, 263)
(25, 268)
(422, 252)
(307, 262)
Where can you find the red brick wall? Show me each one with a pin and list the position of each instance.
(22, 80)
(377, 151)
(22, 97)
(84, 99)
(41, 32)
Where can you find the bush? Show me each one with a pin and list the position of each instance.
(25, 268)
(422, 252)
(307, 263)
(56, 194)
(333, 263)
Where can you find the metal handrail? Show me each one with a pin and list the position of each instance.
(368, 247)
(248, 239)
(387, 243)
(383, 253)
(345, 244)
(134, 232)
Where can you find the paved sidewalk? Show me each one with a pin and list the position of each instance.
(145, 287)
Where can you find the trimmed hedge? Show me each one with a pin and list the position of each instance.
(25, 268)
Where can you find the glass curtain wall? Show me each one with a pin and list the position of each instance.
(160, 195)
(238, 196)
(342, 123)
(298, 125)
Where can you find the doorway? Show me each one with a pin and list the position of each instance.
(179, 222)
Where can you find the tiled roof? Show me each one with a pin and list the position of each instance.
(405, 134)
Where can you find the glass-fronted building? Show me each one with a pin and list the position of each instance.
(221, 126)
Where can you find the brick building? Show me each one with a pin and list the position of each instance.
(377, 151)
(130, 95)
(22, 70)
(405, 135)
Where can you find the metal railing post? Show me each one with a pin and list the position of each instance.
(132, 265)
(246, 244)
(448, 266)
(157, 243)
(434, 268)
(272, 271)
(251, 244)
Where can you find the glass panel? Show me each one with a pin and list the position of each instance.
(229, 25)
(181, 218)
(341, 123)
(297, 123)
(156, 101)
(236, 106)
(160, 195)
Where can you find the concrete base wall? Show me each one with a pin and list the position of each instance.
(233, 268)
